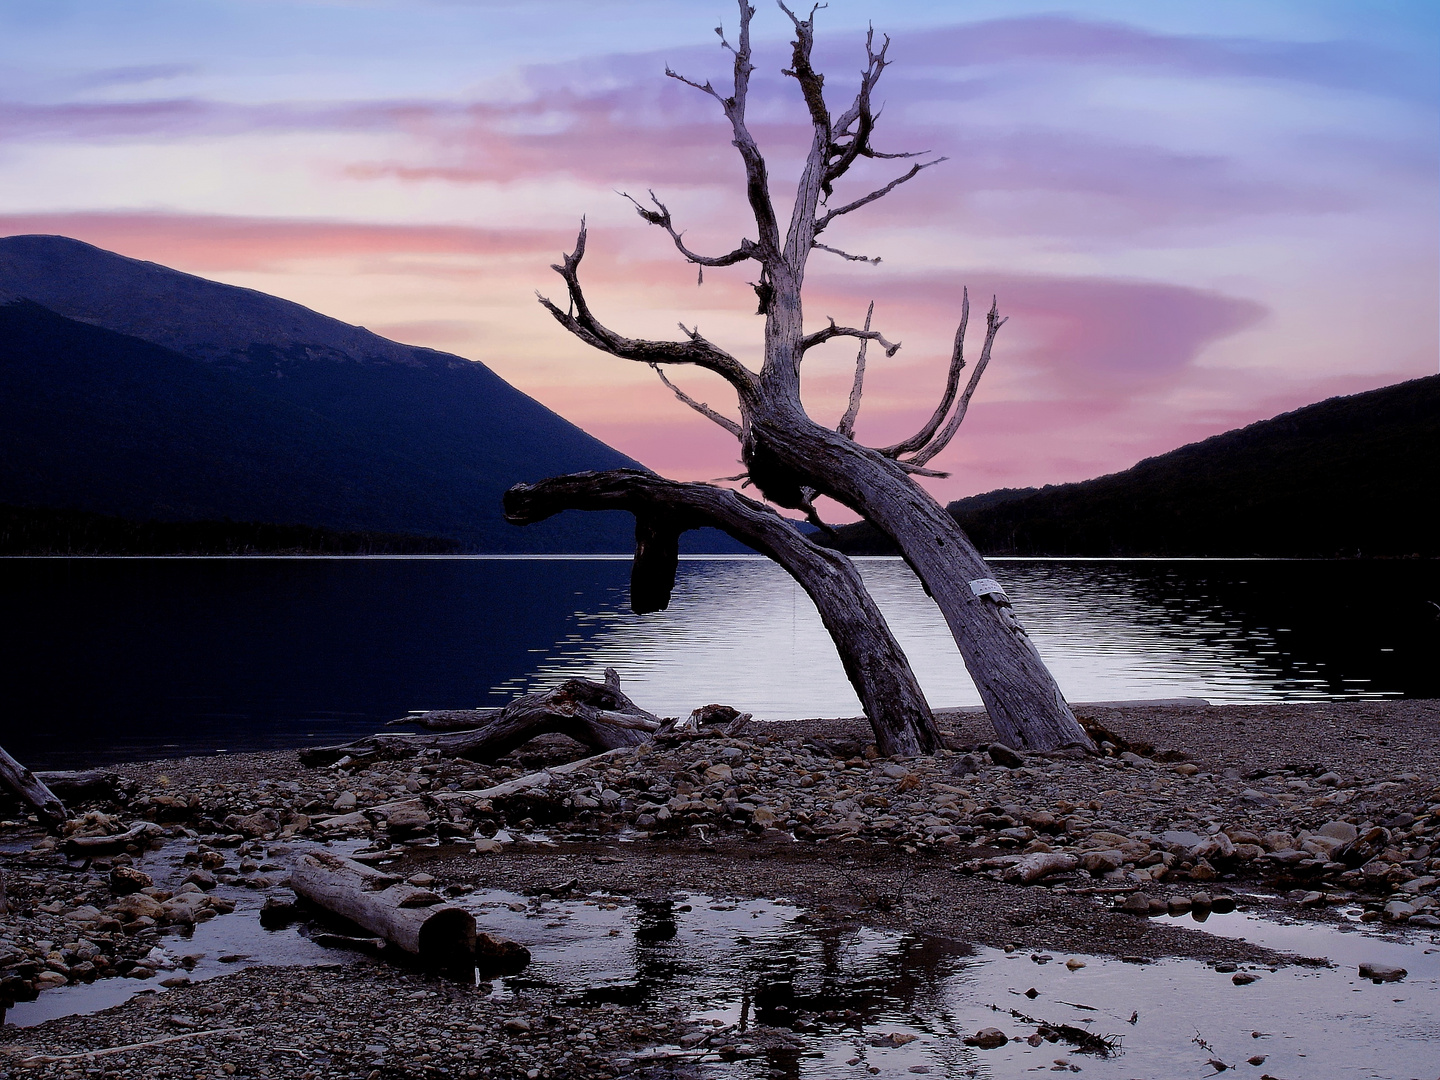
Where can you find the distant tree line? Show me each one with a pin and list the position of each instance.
(35, 531)
(1350, 476)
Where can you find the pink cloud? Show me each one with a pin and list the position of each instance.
(216, 242)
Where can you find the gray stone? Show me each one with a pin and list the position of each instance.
(1003, 755)
(1339, 830)
(1382, 973)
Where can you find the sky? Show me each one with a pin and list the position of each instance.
(1196, 216)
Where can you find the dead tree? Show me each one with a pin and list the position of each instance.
(663, 509)
(791, 458)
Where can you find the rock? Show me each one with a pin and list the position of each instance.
(987, 1038)
(1180, 842)
(1203, 871)
(894, 1038)
(139, 906)
(966, 765)
(260, 823)
(1244, 978)
(408, 819)
(1136, 904)
(125, 880)
(1398, 911)
(1223, 905)
(500, 953)
(278, 911)
(203, 878)
(485, 846)
(1102, 862)
(1382, 973)
(1002, 755)
(345, 802)
(719, 774)
(1339, 830)
(1178, 905)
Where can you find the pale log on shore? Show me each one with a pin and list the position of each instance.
(595, 714)
(31, 790)
(141, 833)
(1039, 864)
(413, 920)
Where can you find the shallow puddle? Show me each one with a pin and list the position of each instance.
(238, 938)
(864, 1002)
(744, 963)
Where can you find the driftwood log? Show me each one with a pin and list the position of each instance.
(789, 456)
(80, 786)
(595, 714)
(414, 920)
(31, 790)
(874, 662)
(141, 833)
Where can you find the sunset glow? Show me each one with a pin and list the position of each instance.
(1194, 217)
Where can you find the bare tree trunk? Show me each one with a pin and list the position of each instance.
(595, 714)
(873, 660)
(411, 919)
(1025, 703)
(31, 790)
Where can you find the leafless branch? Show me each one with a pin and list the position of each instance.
(916, 470)
(582, 323)
(845, 254)
(832, 331)
(661, 217)
(846, 426)
(952, 384)
(699, 406)
(993, 322)
(880, 193)
(757, 181)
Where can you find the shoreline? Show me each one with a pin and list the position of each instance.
(1235, 803)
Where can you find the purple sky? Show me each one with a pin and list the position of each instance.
(1196, 216)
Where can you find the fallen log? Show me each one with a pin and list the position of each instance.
(90, 784)
(1037, 865)
(444, 719)
(413, 920)
(31, 790)
(597, 715)
(141, 833)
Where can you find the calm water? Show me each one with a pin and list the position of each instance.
(108, 658)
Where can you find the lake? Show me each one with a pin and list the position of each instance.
(123, 658)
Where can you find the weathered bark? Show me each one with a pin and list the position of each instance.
(16, 778)
(1024, 702)
(141, 833)
(91, 784)
(411, 919)
(873, 660)
(598, 715)
(790, 458)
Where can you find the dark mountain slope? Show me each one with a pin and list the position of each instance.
(128, 388)
(1350, 475)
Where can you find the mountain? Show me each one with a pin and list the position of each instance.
(134, 390)
(1357, 475)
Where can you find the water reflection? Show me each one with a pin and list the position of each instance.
(147, 657)
(740, 631)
